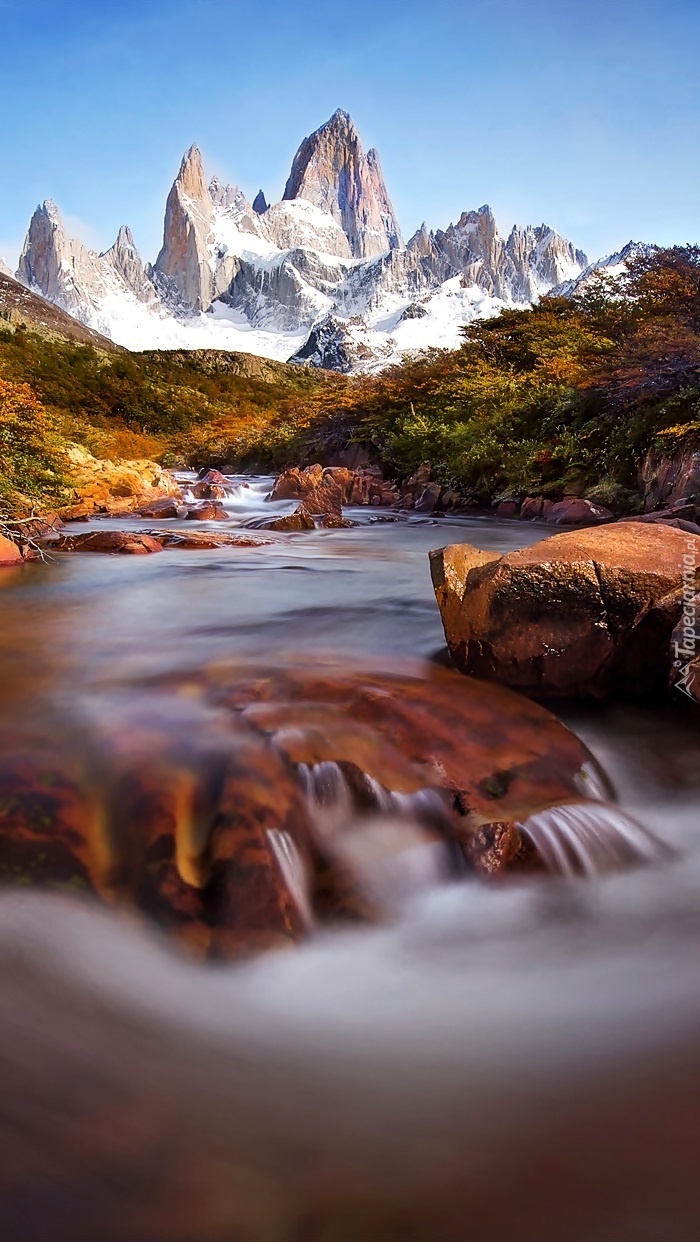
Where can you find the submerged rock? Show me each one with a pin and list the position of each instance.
(125, 542)
(204, 539)
(238, 805)
(589, 612)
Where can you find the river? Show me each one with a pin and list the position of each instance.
(526, 1058)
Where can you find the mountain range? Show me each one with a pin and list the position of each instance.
(322, 276)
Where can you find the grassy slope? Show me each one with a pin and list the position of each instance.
(566, 396)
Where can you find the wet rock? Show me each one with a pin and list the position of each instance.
(209, 491)
(323, 490)
(206, 511)
(124, 542)
(293, 484)
(534, 507)
(419, 480)
(10, 553)
(429, 498)
(680, 512)
(501, 848)
(588, 613)
(204, 539)
(451, 499)
(166, 508)
(574, 511)
(334, 521)
(236, 805)
(301, 519)
(507, 509)
(212, 478)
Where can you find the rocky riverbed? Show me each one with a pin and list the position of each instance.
(251, 742)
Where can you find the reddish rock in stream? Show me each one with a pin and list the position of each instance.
(206, 539)
(166, 507)
(206, 511)
(573, 511)
(587, 612)
(124, 542)
(236, 805)
(10, 554)
(300, 519)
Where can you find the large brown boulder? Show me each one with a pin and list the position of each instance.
(9, 552)
(124, 542)
(574, 511)
(325, 489)
(322, 489)
(587, 612)
(121, 486)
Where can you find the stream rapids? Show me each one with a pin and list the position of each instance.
(490, 1062)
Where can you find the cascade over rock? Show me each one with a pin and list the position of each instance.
(331, 170)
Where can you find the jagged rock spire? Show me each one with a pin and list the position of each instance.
(184, 258)
(260, 203)
(331, 170)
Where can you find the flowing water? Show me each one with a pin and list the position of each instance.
(486, 1028)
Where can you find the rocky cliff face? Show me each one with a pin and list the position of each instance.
(331, 170)
(126, 261)
(79, 280)
(184, 258)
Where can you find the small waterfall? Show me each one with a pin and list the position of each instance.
(590, 838)
(349, 807)
(391, 846)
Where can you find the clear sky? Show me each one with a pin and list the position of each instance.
(581, 113)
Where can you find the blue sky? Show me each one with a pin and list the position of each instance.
(582, 114)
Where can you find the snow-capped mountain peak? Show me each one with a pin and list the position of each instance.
(331, 170)
(323, 274)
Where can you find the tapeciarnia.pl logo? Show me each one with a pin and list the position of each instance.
(685, 647)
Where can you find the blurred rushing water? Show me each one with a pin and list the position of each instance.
(498, 1063)
(363, 592)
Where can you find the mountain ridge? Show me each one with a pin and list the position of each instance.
(263, 278)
